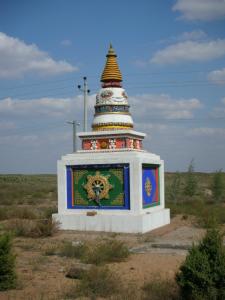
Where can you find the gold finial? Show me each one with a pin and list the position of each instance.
(111, 51)
(111, 71)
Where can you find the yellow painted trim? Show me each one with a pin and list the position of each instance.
(108, 126)
(111, 128)
(113, 112)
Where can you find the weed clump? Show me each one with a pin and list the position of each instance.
(97, 282)
(7, 264)
(33, 228)
(72, 250)
(107, 252)
(101, 253)
(159, 289)
(51, 249)
(48, 211)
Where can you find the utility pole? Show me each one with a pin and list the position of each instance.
(75, 124)
(86, 92)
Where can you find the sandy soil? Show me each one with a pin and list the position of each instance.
(43, 277)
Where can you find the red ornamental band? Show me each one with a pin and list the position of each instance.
(111, 144)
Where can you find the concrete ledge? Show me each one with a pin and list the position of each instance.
(126, 223)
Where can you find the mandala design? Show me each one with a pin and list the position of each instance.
(148, 187)
(97, 187)
(104, 145)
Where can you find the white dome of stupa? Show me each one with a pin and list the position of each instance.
(112, 108)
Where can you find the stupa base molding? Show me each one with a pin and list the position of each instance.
(139, 212)
(125, 223)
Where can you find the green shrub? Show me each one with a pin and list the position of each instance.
(108, 251)
(202, 276)
(218, 186)
(191, 183)
(175, 188)
(7, 264)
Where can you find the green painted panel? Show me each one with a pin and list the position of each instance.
(113, 177)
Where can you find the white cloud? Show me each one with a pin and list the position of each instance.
(203, 10)
(7, 125)
(66, 43)
(217, 76)
(44, 107)
(163, 107)
(18, 58)
(140, 63)
(207, 131)
(197, 34)
(17, 139)
(155, 106)
(41, 135)
(190, 51)
(219, 111)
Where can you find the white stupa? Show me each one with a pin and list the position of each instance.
(111, 184)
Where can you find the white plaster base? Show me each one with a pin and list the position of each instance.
(127, 223)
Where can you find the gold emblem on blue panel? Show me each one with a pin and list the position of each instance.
(148, 187)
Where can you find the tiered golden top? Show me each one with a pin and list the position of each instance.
(111, 71)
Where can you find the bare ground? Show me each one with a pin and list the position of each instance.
(155, 254)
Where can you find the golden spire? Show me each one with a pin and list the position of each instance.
(111, 71)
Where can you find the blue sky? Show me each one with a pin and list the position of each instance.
(171, 55)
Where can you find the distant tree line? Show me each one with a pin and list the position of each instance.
(188, 185)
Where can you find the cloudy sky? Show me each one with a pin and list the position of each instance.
(172, 57)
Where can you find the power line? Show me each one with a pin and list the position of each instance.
(151, 85)
(38, 83)
(56, 124)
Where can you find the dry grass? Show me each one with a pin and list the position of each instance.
(27, 203)
(33, 228)
(159, 289)
(73, 250)
(106, 252)
(97, 282)
(27, 189)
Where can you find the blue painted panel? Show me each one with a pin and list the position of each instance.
(150, 186)
(69, 186)
(126, 171)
